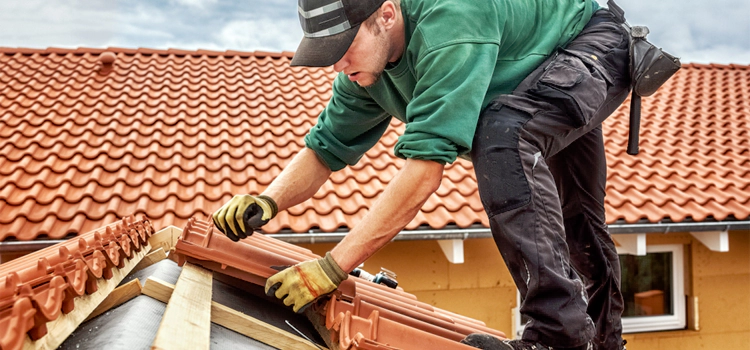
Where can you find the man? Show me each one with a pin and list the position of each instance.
(520, 87)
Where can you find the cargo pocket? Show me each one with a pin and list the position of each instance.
(578, 88)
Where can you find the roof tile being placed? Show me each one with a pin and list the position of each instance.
(173, 134)
(360, 314)
(37, 288)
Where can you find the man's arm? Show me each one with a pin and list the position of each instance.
(300, 285)
(299, 180)
(394, 209)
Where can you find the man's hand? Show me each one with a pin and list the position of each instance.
(243, 214)
(306, 281)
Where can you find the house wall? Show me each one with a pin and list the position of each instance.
(721, 282)
(482, 288)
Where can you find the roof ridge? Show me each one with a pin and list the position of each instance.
(716, 65)
(145, 51)
(242, 54)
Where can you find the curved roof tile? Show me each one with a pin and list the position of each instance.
(174, 133)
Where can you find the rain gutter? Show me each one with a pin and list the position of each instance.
(314, 236)
(463, 234)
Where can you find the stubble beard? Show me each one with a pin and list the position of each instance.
(381, 59)
(375, 78)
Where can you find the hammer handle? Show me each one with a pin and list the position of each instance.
(635, 124)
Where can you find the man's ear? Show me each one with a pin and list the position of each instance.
(388, 15)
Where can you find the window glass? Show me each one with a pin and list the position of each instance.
(647, 284)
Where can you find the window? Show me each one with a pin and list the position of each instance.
(652, 288)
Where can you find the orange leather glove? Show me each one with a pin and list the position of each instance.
(244, 214)
(298, 286)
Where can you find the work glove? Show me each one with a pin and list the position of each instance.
(301, 284)
(244, 214)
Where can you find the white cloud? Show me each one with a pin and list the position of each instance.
(261, 34)
(717, 54)
(200, 4)
(695, 30)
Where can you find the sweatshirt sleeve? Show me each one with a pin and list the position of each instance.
(452, 82)
(349, 126)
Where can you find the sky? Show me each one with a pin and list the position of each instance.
(695, 30)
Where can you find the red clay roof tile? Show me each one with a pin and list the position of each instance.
(176, 133)
(370, 315)
(40, 286)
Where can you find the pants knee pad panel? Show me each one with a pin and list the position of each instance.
(500, 176)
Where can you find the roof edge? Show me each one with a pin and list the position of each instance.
(466, 233)
(311, 237)
(145, 51)
(666, 226)
(242, 54)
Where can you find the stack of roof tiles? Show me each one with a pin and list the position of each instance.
(89, 135)
(359, 315)
(39, 287)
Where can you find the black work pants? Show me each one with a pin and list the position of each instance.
(540, 165)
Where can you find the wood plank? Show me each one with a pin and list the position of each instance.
(150, 259)
(187, 320)
(235, 320)
(118, 296)
(257, 329)
(158, 289)
(165, 238)
(59, 329)
(693, 317)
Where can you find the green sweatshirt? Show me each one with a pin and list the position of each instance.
(459, 55)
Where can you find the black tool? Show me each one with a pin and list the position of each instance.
(384, 277)
(650, 68)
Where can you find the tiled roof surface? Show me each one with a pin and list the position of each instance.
(359, 313)
(40, 286)
(173, 134)
(695, 150)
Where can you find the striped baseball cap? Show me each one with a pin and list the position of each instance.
(330, 27)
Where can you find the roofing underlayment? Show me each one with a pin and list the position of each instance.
(91, 135)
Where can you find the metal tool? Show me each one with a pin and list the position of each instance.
(384, 277)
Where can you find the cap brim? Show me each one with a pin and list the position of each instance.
(324, 51)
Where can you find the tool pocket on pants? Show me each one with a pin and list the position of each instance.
(578, 88)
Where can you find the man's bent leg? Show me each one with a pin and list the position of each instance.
(566, 98)
(519, 194)
(580, 171)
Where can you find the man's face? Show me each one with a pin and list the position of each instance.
(367, 57)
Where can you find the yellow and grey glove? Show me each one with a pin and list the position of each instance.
(244, 214)
(301, 284)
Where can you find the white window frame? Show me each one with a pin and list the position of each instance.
(678, 320)
(640, 324)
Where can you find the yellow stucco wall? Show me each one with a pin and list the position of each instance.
(482, 288)
(721, 282)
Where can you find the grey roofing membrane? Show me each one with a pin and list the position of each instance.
(133, 325)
